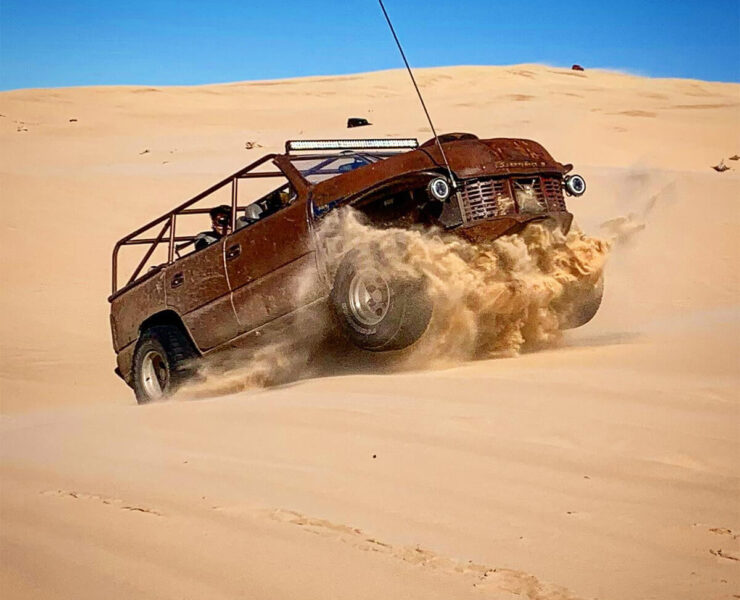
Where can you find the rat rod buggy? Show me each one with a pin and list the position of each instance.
(179, 304)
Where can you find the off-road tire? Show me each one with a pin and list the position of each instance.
(174, 354)
(407, 311)
(587, 310)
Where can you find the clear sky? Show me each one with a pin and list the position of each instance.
(48, 43)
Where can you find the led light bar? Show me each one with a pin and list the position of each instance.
(387, 144)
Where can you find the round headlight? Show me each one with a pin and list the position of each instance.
(439, 189)
(575, 185)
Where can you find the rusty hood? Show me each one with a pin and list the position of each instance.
(468, 156)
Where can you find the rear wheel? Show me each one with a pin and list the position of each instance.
(378, 310)
(162, 362)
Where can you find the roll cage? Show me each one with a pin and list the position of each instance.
(304, 163)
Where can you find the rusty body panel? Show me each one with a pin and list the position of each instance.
(259, 258)
(145, 299)
(197, 289)
(248, 279)
(127, 314)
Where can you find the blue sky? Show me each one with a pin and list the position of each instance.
(163, 42)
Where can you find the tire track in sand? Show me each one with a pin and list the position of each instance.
(483, 577)
(505, 583)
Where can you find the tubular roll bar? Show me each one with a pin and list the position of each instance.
(168, 221)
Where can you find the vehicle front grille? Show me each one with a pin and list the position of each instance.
(553, 193)
(487, 198)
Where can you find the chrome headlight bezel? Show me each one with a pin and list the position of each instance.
(439, 189)
(574, 185)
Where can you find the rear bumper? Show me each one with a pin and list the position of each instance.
(124, 360)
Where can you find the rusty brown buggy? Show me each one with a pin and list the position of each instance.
(179, 304)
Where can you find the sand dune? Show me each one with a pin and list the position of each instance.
(605, 468)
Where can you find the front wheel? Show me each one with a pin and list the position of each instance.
(377, 309)
(162, 362)
(585, 309)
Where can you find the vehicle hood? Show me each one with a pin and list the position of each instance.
(496, 156)
(468, 158)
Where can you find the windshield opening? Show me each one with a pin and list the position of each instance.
(317, 168)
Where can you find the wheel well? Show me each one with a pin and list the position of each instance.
(171, 318)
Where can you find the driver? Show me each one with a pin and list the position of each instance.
(221, 226)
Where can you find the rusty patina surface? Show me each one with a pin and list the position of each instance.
(468, 158)
(246, 281)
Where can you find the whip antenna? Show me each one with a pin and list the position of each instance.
(418, 92)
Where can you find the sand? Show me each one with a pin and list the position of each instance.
(607, 467)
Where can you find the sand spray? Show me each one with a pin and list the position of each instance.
(492, 299)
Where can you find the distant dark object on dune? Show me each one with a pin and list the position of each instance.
(357, 122)
(577, 68)
(736, 157)
(249, 145)
(145, 151)
(73, 120)
(721, 167)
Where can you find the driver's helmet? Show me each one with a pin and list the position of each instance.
(253, 212)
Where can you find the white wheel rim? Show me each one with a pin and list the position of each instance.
(369, 297)
(154, 374)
